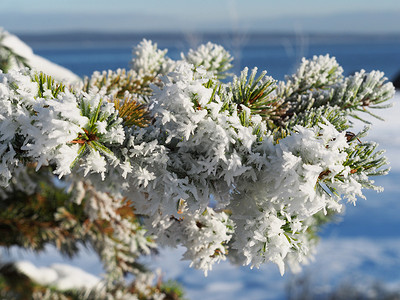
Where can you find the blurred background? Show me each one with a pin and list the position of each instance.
(360, 253)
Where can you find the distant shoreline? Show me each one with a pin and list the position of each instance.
(250, 37)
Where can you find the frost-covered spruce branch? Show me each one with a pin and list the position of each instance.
(241, 170)
(319, 83)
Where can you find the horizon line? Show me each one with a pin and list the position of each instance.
(208, 32)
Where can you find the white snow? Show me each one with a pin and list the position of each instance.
(386, 133)
(62, 276)
(37, 62)
(359, 260)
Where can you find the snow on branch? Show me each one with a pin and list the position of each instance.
(246, 170)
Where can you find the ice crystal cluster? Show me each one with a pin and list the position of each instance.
(246, 170)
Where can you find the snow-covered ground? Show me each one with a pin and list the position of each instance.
(62, 276)
(363, 248)
(361, 261)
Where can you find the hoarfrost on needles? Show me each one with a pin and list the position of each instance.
(207, 172)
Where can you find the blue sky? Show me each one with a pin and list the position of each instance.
(205, 15)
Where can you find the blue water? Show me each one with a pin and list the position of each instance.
(376, 220)
(279, 55)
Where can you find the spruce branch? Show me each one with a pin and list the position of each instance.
(319, 83)
(169, 145)
(362, 92)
